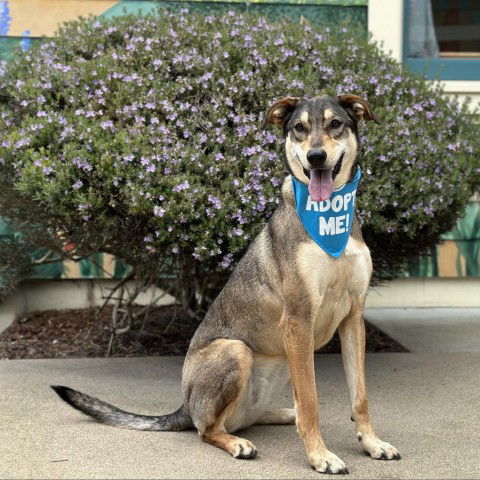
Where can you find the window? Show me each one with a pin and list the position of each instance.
(442, 38)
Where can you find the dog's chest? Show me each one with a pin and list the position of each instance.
(333, 284)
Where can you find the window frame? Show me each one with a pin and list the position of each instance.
(437, 68)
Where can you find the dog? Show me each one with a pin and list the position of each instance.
(284, 300)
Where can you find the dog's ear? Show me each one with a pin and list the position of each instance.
(279, 112)
(358, 107)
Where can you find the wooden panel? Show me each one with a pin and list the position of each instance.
(42, 17)
(449, 260)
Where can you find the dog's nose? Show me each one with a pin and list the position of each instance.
(316, 157)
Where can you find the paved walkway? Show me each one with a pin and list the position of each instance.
(430, 329)
(427, 405)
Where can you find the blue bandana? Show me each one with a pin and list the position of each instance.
(328, 223)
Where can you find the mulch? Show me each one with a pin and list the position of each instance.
(86, 333)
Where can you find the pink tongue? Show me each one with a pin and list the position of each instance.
(321, 185)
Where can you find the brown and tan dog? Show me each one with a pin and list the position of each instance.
(284, 300)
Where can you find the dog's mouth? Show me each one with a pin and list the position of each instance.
(320, 185)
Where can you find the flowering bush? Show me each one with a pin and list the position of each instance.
(140, 137)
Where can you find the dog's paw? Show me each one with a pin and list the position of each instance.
(327, 462)
(379, 450)
(243, 449)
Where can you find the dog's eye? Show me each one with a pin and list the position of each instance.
(299, 128)
(335, 123)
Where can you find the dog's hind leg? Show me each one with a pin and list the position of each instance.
(216, 379)
(237, 447)
(352, 337)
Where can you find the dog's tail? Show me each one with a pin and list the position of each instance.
(110, 415)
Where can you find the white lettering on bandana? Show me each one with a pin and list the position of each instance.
(328, 223)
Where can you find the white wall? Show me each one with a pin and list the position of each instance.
(385, 23)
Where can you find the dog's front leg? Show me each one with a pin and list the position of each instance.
(298, 336)
(352, 337)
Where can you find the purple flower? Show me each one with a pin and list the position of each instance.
(106, 124)
(215, 202)
(242, 130)
(78, 184)
(429, 211)
(249, 151)
(226, 261)
(181, 186)
(22, 142)
(269, 137)
(158, 211)
(82, 164)
(275, 181)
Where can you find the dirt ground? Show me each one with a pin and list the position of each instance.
(83, 333)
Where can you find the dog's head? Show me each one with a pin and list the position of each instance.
(321, 138)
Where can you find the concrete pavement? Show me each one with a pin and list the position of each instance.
(427, 405)
(440, 330)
